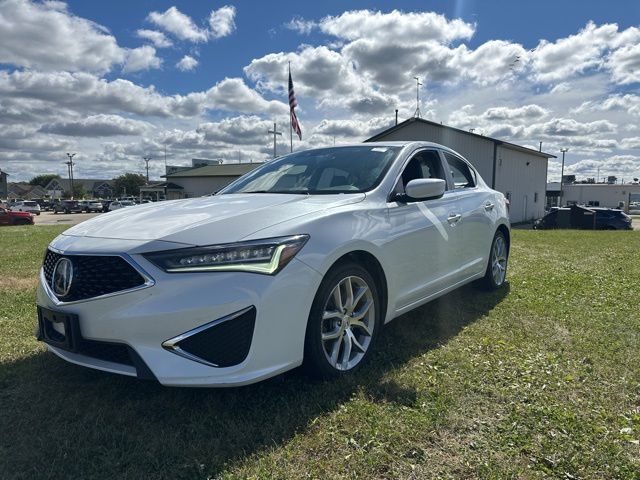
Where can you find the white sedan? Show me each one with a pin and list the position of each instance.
(303, 260)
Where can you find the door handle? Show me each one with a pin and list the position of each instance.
(454, 218)
(489, 206)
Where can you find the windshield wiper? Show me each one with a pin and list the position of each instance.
(292, 192)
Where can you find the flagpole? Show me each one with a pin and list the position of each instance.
(290, 123)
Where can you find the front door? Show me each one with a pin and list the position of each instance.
(421, 236)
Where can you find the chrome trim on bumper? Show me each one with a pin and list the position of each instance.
(171, 344)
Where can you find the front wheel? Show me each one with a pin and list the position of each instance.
(344, 323)
(496, 273)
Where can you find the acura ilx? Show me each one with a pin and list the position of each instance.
(301, 261)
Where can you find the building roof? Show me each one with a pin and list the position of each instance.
(224, 170)
(513, 146)
(89, 184)
(23, 189)
(161, 185)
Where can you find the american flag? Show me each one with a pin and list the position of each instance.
(293, 103)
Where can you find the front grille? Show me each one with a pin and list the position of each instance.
(94, 275)
(223, 344)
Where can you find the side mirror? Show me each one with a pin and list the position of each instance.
(423, 189)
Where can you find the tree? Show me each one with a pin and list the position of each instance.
(43, 180)
(129, 183)
(78, 192)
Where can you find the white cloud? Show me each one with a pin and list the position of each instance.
(630, 143)
(301, 25)
(222, 21)
(187, 63)
(46, 36)
(97, 126)
(625, 64)
(178, 24)
(158, 39)
(141, 58)
(396, 26)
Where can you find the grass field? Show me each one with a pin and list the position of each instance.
(539, 380)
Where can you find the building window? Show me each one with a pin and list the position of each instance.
(535, 197)
(594, 203)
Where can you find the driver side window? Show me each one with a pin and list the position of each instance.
(424, 164)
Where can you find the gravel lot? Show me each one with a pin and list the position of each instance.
(50, 218)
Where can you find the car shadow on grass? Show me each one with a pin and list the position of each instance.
(64, 421)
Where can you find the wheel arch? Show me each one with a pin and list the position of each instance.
(369, 261)
(507, 235)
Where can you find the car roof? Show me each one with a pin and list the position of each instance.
(402, 143)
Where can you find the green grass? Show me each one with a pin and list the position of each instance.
(539, 380)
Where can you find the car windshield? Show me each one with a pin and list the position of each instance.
(320, 171)
(29, 204)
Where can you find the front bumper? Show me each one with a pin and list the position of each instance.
(143, 319)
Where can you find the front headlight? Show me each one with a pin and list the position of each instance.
(267, 256)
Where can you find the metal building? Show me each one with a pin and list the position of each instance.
(204, 180)
(621, 195)
(518, 172)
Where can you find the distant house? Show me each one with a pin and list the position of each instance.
(96, 188)
(4, 189)
(24, 191)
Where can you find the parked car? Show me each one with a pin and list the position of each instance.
(584, 218)
(90, 206)
(67, 206)
(304, 259)
(118, 204)
(29, 206)
(8, 217)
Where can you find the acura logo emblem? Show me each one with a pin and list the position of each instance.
(62, 277)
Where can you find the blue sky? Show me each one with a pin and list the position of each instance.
(115, 81)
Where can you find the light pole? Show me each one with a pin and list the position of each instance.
(70, 163)
(146, 161)
(563, 150)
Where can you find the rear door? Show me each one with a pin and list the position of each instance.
(476, 206)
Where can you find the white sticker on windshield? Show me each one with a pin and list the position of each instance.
(379, 149)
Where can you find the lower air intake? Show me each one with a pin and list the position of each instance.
(222, 343)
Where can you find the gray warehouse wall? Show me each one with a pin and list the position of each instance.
(525, 183)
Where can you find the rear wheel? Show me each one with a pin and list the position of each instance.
(344, 322)
(496, 273)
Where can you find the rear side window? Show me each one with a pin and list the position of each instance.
(462, 175)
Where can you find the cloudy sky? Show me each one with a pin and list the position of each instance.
(119, 80)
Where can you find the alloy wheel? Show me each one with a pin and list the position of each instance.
(499, 260)
(348, 321)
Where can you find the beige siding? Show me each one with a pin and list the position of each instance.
(606, 195)
(199, 186)
(524, 177)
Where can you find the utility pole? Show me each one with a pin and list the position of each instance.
(146, 161)
(70, 163)
(563, 150)
(274, 132)
(418, 84)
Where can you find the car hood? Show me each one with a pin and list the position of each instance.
(207, 220)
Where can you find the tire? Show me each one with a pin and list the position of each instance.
(496, 274)
(22, 222)
(348, 340)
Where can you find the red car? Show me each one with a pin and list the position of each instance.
(7, 217)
